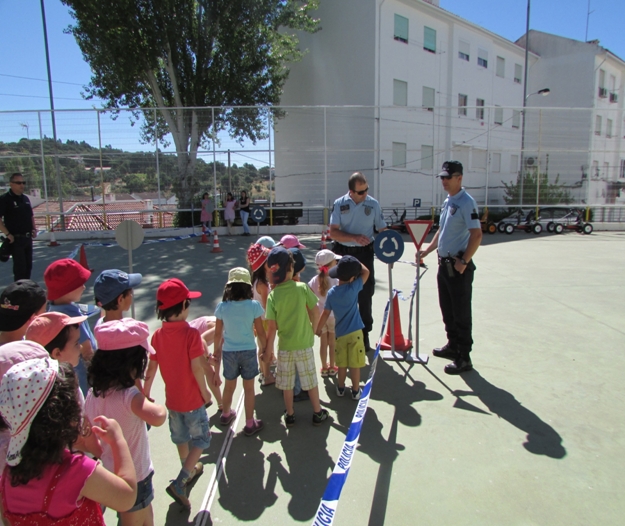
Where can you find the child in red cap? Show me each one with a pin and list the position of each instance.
(65, 280)
(180, 355)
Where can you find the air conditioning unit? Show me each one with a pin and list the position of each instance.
(530, 161)
(603, 92)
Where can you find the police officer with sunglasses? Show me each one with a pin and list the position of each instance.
(17, 223)
(456, 241)
(354, 217)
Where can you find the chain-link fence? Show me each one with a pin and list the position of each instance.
(108, 166)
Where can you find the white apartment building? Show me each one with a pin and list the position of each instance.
(418, 85)
(584, 146)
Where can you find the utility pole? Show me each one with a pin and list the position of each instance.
(229, 176)
(56, 153)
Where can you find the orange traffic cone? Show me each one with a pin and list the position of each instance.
(328, 237)
(53, 242)
(216, 243)
(204, 238)
(323, 240)
(401, 343)
(83, 258)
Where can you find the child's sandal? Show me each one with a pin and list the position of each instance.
(325, 371)
(333, 370)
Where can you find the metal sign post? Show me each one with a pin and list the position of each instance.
(258, 214)
(389, 247)
(129, 235)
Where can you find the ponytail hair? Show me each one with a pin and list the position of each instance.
(324, 280)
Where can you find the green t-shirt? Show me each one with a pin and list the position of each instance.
(286, 305)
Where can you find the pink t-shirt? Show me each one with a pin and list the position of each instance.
(117, 405)
(28, 498)
(176, 345)
(201, 323)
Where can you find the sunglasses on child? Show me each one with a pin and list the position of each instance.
(362, 192)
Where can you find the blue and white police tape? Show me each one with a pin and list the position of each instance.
(329, 502)
(74, 252)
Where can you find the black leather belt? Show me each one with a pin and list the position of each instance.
(344, 249)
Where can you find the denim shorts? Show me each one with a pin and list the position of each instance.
(243, 363)
(192, 426)
(145, 493)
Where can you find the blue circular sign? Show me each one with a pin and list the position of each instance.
(258, 213)
(388, 246)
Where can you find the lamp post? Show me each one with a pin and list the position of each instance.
(544, 92)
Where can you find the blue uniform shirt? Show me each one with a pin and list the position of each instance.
(342, 300)
(357, 219)
(458, 215)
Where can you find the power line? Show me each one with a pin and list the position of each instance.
(41, 80)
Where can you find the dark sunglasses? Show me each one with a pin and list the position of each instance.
(446, 177)
(362, 192)
(18, 182)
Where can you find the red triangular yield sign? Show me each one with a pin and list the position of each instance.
(418, 230)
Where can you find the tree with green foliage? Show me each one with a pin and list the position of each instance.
(181, 55)
(549, 193)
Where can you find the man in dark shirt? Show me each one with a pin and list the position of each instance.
(17, 223)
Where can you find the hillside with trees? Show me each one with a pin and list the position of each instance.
(126, 172)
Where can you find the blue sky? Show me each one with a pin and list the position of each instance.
(21, 41)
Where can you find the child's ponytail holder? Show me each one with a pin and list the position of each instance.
(323, 268)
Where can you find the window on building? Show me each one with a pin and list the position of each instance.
(478, 161)
(518, 73)
(400, 93)
(501, 67)
(495, 162)
(462, 104)
(464, 50)
(606, 170)
(401, 28)
(461, 154)
(514, 164)
(608, 128)
(621, 172)
(429, 39)
(498, 115)
(516, 118)
(482, 57)
(603, 91)
(479, 111)
(613, 93)
(595, 169)
(399, 155)
(598, 125)
(427, 157)
(428, 98)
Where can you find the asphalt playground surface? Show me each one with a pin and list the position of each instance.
(533, 435)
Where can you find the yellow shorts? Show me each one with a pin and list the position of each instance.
(350, 350)
(329, 326)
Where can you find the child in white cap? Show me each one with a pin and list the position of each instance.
(44, 423)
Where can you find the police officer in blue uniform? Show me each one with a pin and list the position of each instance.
(352, 223)
(457, 240)
(17, 223)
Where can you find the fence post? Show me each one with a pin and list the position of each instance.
(101, 169)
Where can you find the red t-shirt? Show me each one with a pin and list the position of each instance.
(177, 343)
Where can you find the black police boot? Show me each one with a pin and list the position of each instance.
(461, 364)
(446, 351)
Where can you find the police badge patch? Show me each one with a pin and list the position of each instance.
(368, 210)
(344, 209)
(453, 209)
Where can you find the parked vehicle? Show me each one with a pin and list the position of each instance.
(521, 220)
(396, 222)
(573, 220)
(487, 226)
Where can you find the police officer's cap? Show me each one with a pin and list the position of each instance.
(451, 167)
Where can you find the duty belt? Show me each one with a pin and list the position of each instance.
(344, 249)
(28, 234)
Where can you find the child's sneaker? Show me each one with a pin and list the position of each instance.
(178, 493)
(325, 371)
(195, 472)
(227, 420)
(320, 417)
(289, 420)
(357, 394)
(340, 391)
(254, 428)
(332, 371)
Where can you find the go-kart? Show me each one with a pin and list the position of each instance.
(520, 220)
(574, 220)
(487, 226)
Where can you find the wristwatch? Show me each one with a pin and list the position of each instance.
(463, 262)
